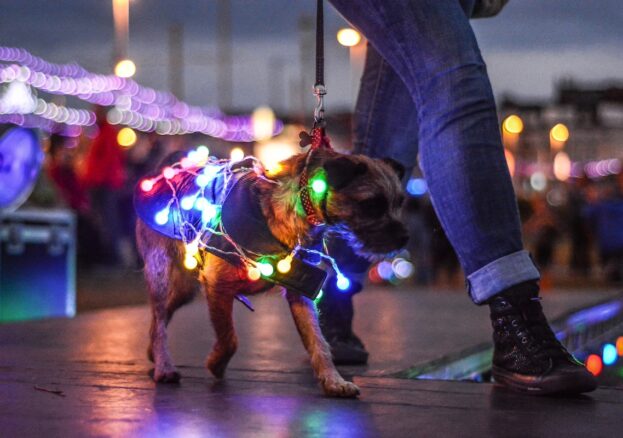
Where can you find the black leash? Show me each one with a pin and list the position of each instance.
(319, 87)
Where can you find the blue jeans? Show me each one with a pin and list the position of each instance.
(425, 87)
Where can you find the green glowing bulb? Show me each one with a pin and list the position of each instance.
(266, 269)
(319, 186)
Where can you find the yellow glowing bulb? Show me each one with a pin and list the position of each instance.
(348, 37)
(192, 248)
(513, 124)
(125, 68)
(284, 265)
(559, 133)
(274, 169)
(126, 137)
(253, 273)
(236, 154)
(190, 262)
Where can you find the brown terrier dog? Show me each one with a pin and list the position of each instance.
(363, 204)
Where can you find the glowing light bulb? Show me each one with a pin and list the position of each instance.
(209, 212)
(203, 180)
(203, 152)
(609, 354)
(619, 345)
(319, 296)
(594, 364)
(342, 282)
(284, 265)
(513, 124)
(168, 172)
(190, 262)
(186, 163)
(192, 248)
(162, 217)
(266, 269)
(126, 137)
(125, 68)
(147, 185)
(274, 170)
(559, 133)
(348, 37)
(236, 154)
(201, 203)
(319, 186)
(253, 273)
(187, 202)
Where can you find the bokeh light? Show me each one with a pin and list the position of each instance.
(263, 123)
(562, 166)
(126, 137)
(417, 187)
(538, 181)
(348, 37)
(594, 364)
(513, 124)
(619, 345)
(236, 154)
(125, 68)
(609, 354)
(559, 132)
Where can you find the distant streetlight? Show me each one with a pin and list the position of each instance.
(348, 37)
(511, 128)
(513, 124)
(125, 68)
(558, 136)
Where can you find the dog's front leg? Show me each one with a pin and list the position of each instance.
(220, 304)
(306, 320)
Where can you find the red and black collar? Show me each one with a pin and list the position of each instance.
(318, 140)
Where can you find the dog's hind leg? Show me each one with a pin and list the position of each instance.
(306, 320)
(221, 304)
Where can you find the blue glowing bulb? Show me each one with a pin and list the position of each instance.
(609, 354)
(187, 202)
(209, 212)
(342, 282)
(202, 180)
(201, 203)
(162, 217)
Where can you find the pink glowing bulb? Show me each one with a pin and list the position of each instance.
(147, 185)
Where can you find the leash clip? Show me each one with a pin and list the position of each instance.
(319, 92)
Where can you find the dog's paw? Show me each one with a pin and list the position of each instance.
(217, 366)
(338, 387)
(165, 376)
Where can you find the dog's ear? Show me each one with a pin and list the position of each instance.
(342, 170)
(396, 166)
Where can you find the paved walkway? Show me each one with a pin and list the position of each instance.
(98, 362)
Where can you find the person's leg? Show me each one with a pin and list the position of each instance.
(432, 48)
(385, 125)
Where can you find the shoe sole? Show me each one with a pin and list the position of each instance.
(565, 383)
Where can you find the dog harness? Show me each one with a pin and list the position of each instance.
(220, 198)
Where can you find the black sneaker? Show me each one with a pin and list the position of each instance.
(527, 356)
(347, 349)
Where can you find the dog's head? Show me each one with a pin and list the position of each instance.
(364, 203)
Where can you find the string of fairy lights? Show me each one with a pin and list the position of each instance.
(139, 107)
(204, 170)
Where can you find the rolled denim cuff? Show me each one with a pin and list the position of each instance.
(501, 274)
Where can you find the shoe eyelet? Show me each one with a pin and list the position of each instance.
(514, 323)
(524, 340)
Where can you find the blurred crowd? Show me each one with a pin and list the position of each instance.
(574, 228)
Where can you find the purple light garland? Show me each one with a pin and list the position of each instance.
(138, 107)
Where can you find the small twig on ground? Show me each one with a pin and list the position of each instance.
(51, 391)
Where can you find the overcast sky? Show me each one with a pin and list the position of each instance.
(529, 46)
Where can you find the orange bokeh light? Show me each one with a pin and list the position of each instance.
(594, 364)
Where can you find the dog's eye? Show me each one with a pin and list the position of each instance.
(374, 207)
